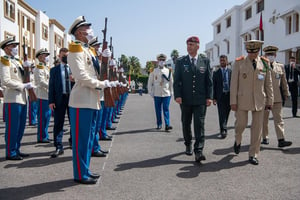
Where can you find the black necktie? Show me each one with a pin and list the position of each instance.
(254, 64)
(272, 65)
(193, 64)
(291, 72)
(67, 79)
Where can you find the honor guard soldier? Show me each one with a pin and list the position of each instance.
(15, 98)
(280, 90)
(84, 100)
(41, 77)
(250, 90)
(193, 90)
(160, 87)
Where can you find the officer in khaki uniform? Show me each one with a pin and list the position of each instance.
(250, 90)
(84, 101)
(41, 77)
(160, 87)
(15, 98)
(279, 86)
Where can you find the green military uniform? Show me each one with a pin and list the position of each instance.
(193, 83)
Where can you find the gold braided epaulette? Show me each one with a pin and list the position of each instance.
(40, 66)
(75, 47)
(93, 50)
(240, 58)
(5, 61)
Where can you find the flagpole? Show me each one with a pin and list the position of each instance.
(261, 31)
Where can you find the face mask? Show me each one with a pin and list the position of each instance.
(292, 63)
(14, 51)
(64, 59)
(47, 59)
(271, 58)
(90, 34)
(161, 63)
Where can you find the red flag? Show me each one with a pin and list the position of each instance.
(261, 23)
(129, 79)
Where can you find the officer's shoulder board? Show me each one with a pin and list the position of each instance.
(5, 61)
(75, 47)
(240, 58)
(40, 66)
(93, 50)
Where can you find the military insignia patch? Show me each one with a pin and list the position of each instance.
(15, 70)
(244, 75)
(202, 69)
(88, 61)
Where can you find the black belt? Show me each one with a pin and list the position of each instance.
(226, 93)
(66, 95)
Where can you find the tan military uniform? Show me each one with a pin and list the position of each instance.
(84, 93)
(41, 77)
(250, 90)
(158, 85)
(12, 80)
(278, 79)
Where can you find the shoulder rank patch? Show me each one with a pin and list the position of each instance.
(240, 58)
(265, 59)
(75, 47)
(5, 61)
(40, 66)
(93, 50)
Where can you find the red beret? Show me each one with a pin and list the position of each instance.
(193, 39)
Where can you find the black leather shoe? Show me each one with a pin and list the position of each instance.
(17, 157)
(253, 160)
(107, 137)
(237, 148)
(168, 128)
(158, 127)
(110, 128)
(188, 150)
(57, 153)
(199, 156)
(115, 121)
(117, 117)
(223, 134)
(283, 143)
(23, 154)
(98, 154)
(265, 141)
(94, 175)
(89, 180)
(44, 141)
(104, 151)
(70, 142)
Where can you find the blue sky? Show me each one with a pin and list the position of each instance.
(142, 28)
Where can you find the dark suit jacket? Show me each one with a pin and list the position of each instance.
(55, 94)
(218, 83)
(296, 72)
(194, 87)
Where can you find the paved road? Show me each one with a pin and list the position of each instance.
(144, 163)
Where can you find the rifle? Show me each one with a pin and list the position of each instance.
(108, 99)
(32, 96)
(112, 74)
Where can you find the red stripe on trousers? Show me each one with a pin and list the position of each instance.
(9, 129)
(29, 113)
(41, 121)
(77, 133)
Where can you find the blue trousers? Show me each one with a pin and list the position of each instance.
(15, 121)
(44, 114)
(82, 122)
(102, 131)
(162, 103)
(96, 144)
(32, 112)
(109, 117)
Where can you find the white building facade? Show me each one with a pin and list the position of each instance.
(33, 29)
(280, 25)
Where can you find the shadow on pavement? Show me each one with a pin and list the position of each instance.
(197, 168)
(30, 191)
(244, 148)
(294, 150)
(41, 162)
(138, 131)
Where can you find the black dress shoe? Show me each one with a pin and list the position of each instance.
(223, 134)
(283, 143)
(57, 153)
(107, 138)
(199, 156)
(17, 157)
(23, 154)
(117, 117)
(104, 151)
(237, 148)
(110, 128)
(94, 175)
(188, 150)
(168, 128)
(115, 121)
(253, 160)
(89, 180)
(70, 142)
(158, 127)
(265, 141)
(98, 154)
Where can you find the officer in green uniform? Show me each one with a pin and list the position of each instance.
(193, 90)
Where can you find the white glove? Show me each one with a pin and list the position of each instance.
(106, 53)
(28, 85)
(113, 84)
(117, 83)
(107, 83)
(27, 63)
